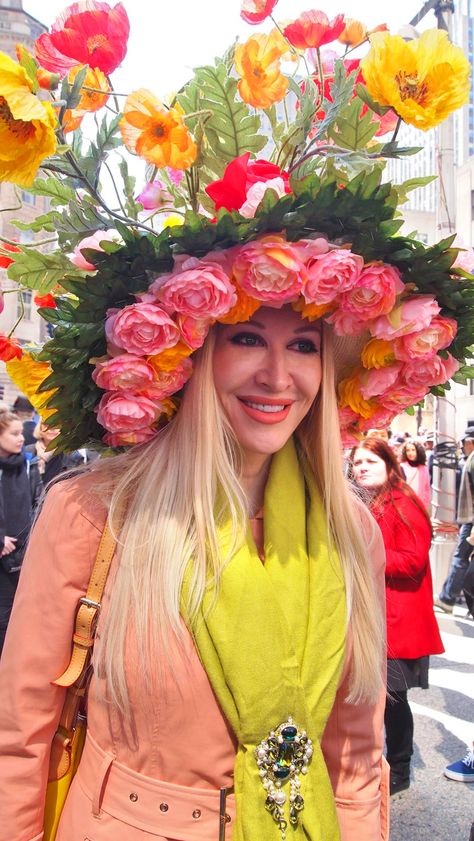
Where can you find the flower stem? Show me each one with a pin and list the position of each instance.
(397, 127)
(20, 317)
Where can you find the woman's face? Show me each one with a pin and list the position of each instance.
(410, 451)
(11, 439)
(370, 471)
(267, 372)
(48, 433)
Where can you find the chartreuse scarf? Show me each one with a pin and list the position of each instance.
(273, 646)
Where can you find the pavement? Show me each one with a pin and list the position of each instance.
(435, 808)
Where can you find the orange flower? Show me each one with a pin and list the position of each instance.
(156, 133)
(72, 119)
(354, 32)
(9, 349)
(258, 63)
(350, 395)
(169, 359)
(242, 310)
(90, 100)
(311, 311)
(378, 353)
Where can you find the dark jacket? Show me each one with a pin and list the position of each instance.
(56, 464)
(20, 491)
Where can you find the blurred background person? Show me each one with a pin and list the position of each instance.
(20, 490)
(397, 442)
(385, 434)
(413, 464)
(50, 463)
(412, 630)
(26, 412)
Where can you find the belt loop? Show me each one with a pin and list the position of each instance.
(100, 783)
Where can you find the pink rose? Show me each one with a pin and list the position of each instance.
(380, 419)
(123, 373)
(465, 258)
(154, 195)
(93, 242)
(123, 411)
(129, 439)
(430, 372)
(309, 249)
(256, 193)
(347, 417)
(142, 329)
(377, 380)
(346, 323)
(193, 330)
(169, 382)
(269, 269)
(412, 314)
(399, 397)
(425, 343)
(374, 293)
(200, 289)
(331, 274)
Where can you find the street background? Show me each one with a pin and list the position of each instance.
(435, 808)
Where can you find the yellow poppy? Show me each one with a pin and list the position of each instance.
(350, 395)
(156, 133)
(258, 63)
(422, 80)
(28, 374)
(26, 126)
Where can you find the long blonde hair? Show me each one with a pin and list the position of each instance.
(170, 490)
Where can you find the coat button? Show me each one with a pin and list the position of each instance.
(134, 797)
(164, 807)
(196, 814)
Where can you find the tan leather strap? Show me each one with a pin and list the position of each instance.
(88, 611)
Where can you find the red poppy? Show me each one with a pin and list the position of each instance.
(45, 301)
(88, 32)
(313, 29)
(254, 11)
(9, 349)
(231, 190)
(4, 260)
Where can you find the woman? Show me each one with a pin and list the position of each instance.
(416, 472)
(246, 441)
(412, 631)
(50, 463)
(20, 489)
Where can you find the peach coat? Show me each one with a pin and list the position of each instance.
(154, 779)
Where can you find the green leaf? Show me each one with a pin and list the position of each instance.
(351, 130)
(36, 270)
(365, 96)
(30, 65)
(342, 90)
(393, 150)
(72, 95)
(45, 222)
(54, 189)
(131, 206)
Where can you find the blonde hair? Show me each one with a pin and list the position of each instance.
(6, 418)
(173, 491)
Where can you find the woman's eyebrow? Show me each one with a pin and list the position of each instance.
(310, 328)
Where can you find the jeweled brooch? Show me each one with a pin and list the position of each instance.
(281, 758)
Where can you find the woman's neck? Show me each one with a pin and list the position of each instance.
(254, 478)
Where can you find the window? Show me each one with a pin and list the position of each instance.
(27, 300)
(27, 198)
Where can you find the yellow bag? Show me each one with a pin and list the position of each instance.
(68, 741)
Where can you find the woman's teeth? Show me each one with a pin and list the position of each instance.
(264, 407)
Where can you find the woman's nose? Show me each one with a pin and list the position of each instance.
(274, 373)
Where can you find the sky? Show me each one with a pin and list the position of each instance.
(170, 37)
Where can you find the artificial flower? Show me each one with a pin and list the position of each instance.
(193, 330)
(127, 372)
(46, 80)
(243, 309)
(170, 358)
(423, 80)
(258, 64)
(313, 29)
(254, 11)
(172, 220)
(154, 195)
(141, 329)
(155, 133)
(91, 100)
(310, 311)
(408, 316)
(422, 344)
(354, 32)
(399, 397)
(375, 291)
(269, 269)
(9, 348)
(28, 374)
(87, 32)
(129, 439)
(124, 411)
(350, 395)
(71, 120)
(377, 353)
(346, 323)
(168, 381)
(377, 380)
(26, 126)
(6, 261)
(231, 191)
(94, 243)
(200, 289)
(45, 301)
(432, 371)
(465, 257)
(330, 274)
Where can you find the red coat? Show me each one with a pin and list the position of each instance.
(412, 630)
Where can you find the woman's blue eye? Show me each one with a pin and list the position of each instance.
(246, 339)
(305, 346)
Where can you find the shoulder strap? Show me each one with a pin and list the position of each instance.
(88, 611)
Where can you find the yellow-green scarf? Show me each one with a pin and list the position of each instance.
(273, 646)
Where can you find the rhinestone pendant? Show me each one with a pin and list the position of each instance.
(281, 757)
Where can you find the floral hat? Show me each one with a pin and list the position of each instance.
(264, 185)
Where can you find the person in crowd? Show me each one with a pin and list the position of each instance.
(255, 437)
(453, 585)
(462, 771)
(397, 442)
(26, 412)
(413, 464)
(412, 631)
(50, 463)
(20, 490)
(385, 434)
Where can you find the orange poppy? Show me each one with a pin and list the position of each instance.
(258, 63)
(155, 133)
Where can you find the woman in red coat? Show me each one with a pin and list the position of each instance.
(412, 630)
